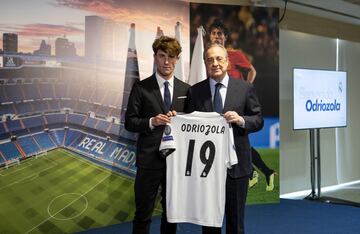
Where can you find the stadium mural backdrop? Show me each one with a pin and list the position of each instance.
(66, 70)
(252, 38)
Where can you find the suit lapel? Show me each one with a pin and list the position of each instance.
(231, 90)
(208, 102)
(176, 91)
(156, 92)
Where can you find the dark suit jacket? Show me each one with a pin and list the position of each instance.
(145, 101)
(241, 98)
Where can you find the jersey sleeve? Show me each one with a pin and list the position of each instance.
(232, 158)
(238, 59)
(168, 144)
(238, 63)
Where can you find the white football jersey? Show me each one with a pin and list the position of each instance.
(199, 147)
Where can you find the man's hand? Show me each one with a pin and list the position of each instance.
(171, 113)
(160, 119)
(233, 117)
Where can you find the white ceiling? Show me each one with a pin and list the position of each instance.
(347, 11)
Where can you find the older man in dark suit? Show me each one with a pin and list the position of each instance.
(238, 101)
(152, 101)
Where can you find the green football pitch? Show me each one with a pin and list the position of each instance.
(62, 193)
(258, 193)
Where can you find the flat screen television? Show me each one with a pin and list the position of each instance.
(319, 99)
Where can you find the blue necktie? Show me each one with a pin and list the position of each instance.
(218, 106)
(167, 98)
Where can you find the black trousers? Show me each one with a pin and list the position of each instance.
(147, 182)
(236, 192)
(259, 163)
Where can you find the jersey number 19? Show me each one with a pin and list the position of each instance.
(207, 161)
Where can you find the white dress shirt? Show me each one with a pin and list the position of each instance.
(160, 82)
(223, 91)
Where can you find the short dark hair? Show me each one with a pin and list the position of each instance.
(167, 44)
(219, 25)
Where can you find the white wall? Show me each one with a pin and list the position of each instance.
(348, 154)
(338, 164)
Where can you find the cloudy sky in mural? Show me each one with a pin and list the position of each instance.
(38, 20)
